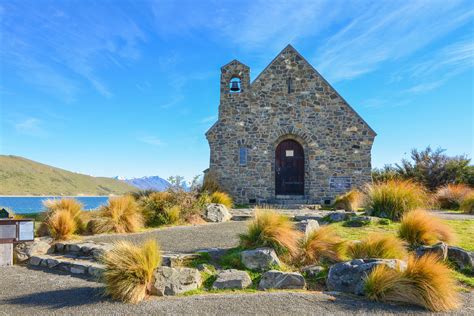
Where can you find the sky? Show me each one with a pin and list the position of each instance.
(128, 88)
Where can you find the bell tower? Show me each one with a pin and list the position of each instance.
(234, 88)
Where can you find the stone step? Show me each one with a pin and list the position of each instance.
(83, 249)
(76, 266)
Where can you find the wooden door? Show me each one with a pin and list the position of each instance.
(289, 168)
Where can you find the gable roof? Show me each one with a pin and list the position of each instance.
(293, 50)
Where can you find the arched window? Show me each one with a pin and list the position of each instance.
(235, 85)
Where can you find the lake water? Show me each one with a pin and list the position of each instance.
(23, 204)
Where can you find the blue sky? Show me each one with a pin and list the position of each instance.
(129, 87)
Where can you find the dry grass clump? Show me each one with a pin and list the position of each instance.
(393, 198)
(120, 215)
(377, 246)
(129, 270)
(221, 198)
(349, 201)
(451, 196)
(210, 183)
(322, 244)
(426, 282)
(271, 229)
(467, 205)
(63, 218)
(419, 227)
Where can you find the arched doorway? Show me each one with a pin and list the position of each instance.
(289, 168)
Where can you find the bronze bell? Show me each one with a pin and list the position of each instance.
(234, 86)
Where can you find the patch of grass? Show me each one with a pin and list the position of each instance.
(321, 245)
(377, 246)
(231, 259)
(221, 198)
(426, 282)
(467, 205)
(129, 270)
(271, 229)
(120, 215)
(349, 201)
(393, 198)
(203, 258)
(463, 230)
(465, 278)
(419, 227)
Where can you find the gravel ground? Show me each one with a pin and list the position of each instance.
(186, 238)
(451, 215)
(26, 292)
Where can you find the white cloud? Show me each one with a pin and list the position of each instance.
(30, 126)
(208, 119)
(151, 140)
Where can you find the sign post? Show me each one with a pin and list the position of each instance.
(13, 231)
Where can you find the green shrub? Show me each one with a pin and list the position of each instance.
(393, 198)
(129, 270)
(377, 246)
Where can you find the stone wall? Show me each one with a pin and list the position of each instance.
(337, 142)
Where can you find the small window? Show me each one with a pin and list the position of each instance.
(289, 82)
(243, 156)
(235, 85)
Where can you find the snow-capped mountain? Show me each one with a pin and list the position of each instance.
(147, 183)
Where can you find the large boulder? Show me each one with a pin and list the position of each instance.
(173, 281)
(23, 251)
(461, 258)
(349, 277)
(440, 249)
(307, 225)
(259, 259)
(217, 213)
(232, 279)
(275, 279)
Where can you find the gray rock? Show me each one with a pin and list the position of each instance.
(95, 271)
(359, 221)
(35, 261)
(440, 249)
(232, 279)
(51, 263)
(349, 277)
(72, 248)
(259, 259)
(312, 271)
(217, 213)
(317, 217)
(307, 226)
(23, 251)
(275, 279)
(173, 281)
(206, 268)
(462, 258)
(78, 269)
(339, 216)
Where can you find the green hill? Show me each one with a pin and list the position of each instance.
(20, 176)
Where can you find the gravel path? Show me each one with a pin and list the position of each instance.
(186, 238)
(451, 215)
(26, 292)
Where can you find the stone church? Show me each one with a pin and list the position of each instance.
(288, 135)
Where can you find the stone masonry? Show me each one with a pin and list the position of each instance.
(288, 100)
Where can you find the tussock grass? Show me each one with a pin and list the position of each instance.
(120, 215)
(129, 270)
(349, 201)
(210, 183)
(451, 196)
(323, 244)
(467, 205)
(419, 227)
(377, 246)
(271, 229)
(393, 198)
(61, 224)
(221, 198)
(63, 218)
(426, 282)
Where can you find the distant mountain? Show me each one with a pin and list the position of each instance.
(21, 176)
(148, 183)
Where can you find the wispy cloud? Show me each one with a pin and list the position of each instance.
(151, 140)
(208, 119)
(30, 126)
(67, 43)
